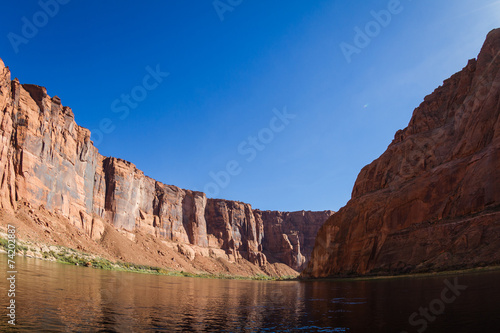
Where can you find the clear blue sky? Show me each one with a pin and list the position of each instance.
(227, 76)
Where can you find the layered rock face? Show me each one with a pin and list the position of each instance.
(289, 237)
(48, 160)
(432, 200)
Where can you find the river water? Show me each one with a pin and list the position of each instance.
(53, 297)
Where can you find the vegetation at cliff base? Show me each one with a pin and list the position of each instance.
(70, 256)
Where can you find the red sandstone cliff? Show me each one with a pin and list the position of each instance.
(49, 161)
(432, 200)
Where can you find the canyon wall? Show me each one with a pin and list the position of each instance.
(431, 201)
(46, 159)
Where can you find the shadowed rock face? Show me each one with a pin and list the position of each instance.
(47, 159)
(432, 200)
(289, 237)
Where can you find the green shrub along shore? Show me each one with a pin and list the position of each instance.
(70, 256)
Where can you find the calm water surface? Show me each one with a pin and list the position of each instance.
(53, 297)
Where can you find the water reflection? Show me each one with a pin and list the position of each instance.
(61, 298)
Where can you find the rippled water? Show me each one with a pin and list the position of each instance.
(53, 297)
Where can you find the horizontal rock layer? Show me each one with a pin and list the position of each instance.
(432, 200)
(48, 160)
